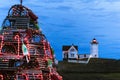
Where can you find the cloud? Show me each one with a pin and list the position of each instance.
(73, 20)
(99, 7)
(104, 6)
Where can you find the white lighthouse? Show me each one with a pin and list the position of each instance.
(94, 48)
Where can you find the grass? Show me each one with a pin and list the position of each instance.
(91, 76)
(97, 69)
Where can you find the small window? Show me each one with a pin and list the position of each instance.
(95, 55)
(85, 55)
(72, 55)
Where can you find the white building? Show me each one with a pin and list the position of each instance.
(81, 56)
(94, 48)
(71, 52)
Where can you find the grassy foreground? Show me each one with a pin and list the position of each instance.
(97, 69)
(91, 76)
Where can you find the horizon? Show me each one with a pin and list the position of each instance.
(66, 22)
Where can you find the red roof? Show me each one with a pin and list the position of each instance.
(94, 41)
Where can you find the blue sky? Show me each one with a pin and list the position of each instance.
(76, 21)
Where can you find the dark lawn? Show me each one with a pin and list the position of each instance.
(97, 69)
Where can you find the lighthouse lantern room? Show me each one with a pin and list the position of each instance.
(94, 48)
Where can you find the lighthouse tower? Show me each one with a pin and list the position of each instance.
(94, 48)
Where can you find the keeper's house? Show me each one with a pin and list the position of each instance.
(70, 52)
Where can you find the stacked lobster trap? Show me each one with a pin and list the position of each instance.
(25, 53)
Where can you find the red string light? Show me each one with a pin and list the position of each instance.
(1, 43)
(18, 39)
